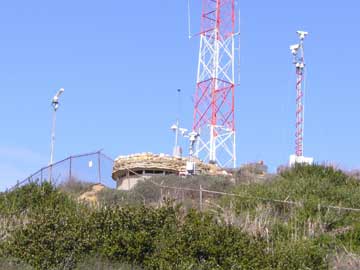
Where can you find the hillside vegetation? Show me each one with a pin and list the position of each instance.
(305, 218)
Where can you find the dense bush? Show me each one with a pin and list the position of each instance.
(90, 263)
(301, 255)
(313, 189)
(58, 232)
(149, 192)
(53, 228)
(27, 198)
(322, 184)
(116, 197)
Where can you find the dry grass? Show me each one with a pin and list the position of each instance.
(345, 261)
(10, 264)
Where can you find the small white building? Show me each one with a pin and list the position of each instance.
(300, 160)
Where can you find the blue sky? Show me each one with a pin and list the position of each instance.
(121, 62)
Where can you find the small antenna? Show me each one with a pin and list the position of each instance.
(189, 20)
(177, 151)
(179, 104)
(239, 49)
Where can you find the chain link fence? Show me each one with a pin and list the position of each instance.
(94, 168)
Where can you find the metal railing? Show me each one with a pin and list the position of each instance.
(95, 167)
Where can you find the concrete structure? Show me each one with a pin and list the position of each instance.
(294, 159)
(129, 170)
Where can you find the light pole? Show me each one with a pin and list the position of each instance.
(55, 104)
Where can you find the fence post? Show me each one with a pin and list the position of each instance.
(50, 173)
(70, 169)
(161, 197)
(201, 199)
(99, 166)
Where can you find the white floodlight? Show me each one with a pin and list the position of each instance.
(300, 65)
(193, 136)
(174, 127)
(61, 90)
(55, 100)
(58, 94)
(302, 34)
(183, 131)
(294, 48)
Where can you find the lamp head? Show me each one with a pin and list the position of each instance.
(193, 136)
(174, 127)
(302, 34)
(58, 94)
(183, 131)
(294, 48)
(55, 100)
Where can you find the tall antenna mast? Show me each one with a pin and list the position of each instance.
(214, 108)
(299, 62)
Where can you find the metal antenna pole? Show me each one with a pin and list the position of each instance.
(189, 20)
(55, 105)
(299, 62)
(177, 122)
(177, 151)
(53, 137)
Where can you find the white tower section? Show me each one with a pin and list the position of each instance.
(214, 113)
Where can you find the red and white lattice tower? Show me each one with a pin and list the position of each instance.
(299, 62)
(214, 117)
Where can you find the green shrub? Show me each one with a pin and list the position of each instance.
(300, 255)
(55, 234)
(313, 187)
(60, 233)
(113, 197)
(28, 197)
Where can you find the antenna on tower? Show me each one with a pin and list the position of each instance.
(189, 20)
(298, 53)
(239, 47)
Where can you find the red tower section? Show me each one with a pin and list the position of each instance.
(214, 117)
